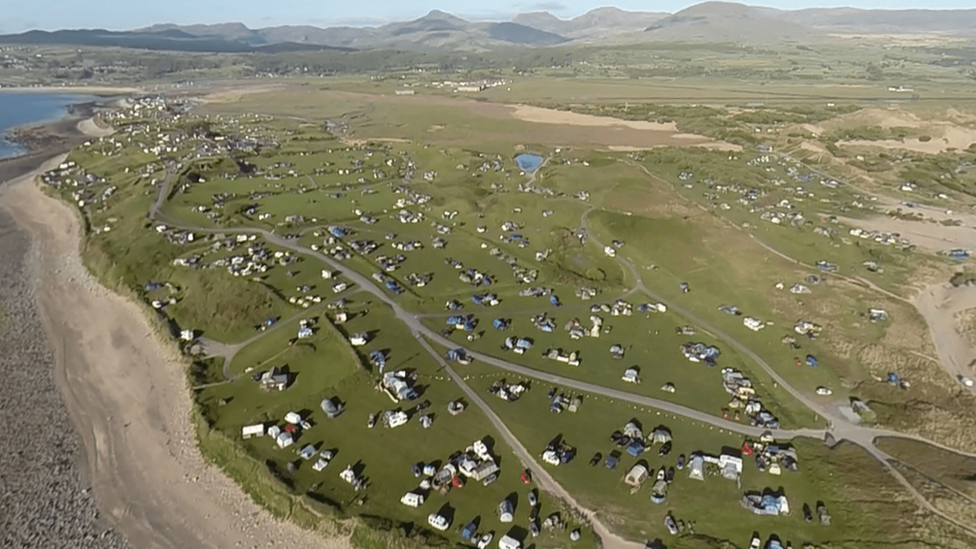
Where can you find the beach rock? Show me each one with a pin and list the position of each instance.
(45, 501)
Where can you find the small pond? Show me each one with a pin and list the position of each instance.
(528, 162)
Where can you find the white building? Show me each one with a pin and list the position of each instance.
(253, 431)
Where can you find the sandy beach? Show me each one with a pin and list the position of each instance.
(126, 394)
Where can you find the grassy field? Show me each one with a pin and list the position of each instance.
(325, 366)
(344, 158)
(952, 469)
(710, 508)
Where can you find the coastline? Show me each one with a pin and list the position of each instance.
(125, 391)
(105, 91)
(50, 139)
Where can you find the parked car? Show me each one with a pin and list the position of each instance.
(756, 543)
(534, 528)
(681, 462)
(485, 540)
(596, 459)
(489, 479)
(670, 524)
(533, 500)
(665, 449)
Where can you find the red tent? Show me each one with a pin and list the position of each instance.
(458, 482)
(746, 449)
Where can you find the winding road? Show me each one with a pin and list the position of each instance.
(839, 427)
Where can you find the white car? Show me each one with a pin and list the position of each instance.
(824, 391)
(756, 543)
(484, 541)
(966, 381)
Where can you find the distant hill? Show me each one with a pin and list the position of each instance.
(438, 30)
(165, 40)
(885, 21)
(728, 22)
(593, 24)
(520, 34)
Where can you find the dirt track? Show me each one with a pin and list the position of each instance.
(939, 305)
(126, 394)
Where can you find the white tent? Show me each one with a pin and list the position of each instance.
(412, 499)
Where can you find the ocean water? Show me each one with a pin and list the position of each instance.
(20, 109)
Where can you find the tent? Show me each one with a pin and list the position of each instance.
(636, 476)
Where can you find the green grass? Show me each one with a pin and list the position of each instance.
(859, 508)
(954, 470)
(326, 369)
(683, 242)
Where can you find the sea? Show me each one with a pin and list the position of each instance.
(23, 109)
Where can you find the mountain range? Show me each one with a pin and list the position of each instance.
(710, 22)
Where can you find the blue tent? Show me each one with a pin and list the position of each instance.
(477, 299)
(468, 531)
(455, 354)
(811, 361)
(554, 300)
(469, 325)
(153, 286)
(499, 324)
(893, 378)
(635, 448)
(338, 232)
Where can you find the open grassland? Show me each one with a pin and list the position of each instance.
(374, 182)
(955, 471)
(709, 508)
(724, 265)
(325, 366)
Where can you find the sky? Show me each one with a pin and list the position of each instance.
(128, 14)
